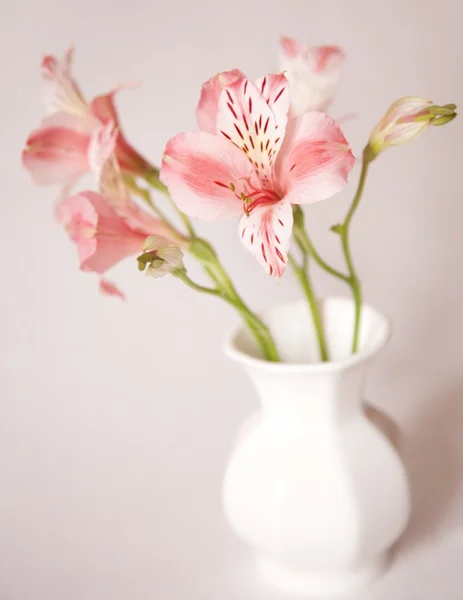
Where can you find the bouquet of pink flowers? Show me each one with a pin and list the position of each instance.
(263, 149)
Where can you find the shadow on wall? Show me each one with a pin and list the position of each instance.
(432, 454)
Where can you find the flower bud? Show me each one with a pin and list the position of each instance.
(406, 119)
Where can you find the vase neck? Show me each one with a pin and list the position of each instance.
(315, 397)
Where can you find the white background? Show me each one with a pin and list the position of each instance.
(116, 418)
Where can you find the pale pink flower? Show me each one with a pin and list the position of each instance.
(102, 237)
(108, 226)
(58, 151)
(256, 165)
(313, 74)
(406, 119)
(108, 288)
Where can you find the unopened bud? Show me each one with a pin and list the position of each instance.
(406, 119)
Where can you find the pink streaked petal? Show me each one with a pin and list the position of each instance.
(275, 90)
(266, 233)
(108, 288)
(61, 92)
(130, 161)
(208, 105)
(247, 121)
(199, 170)
(315, 159)
(56, 155)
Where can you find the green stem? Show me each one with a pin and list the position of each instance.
(153, 179)
(353, 280)
(182, 274)
(301, 274)
(147, 198)
(303, 241)
(203, 251)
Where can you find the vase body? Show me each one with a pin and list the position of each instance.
(313, 485)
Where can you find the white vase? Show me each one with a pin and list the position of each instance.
(313, 485)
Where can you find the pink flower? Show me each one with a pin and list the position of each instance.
(313, 74)
(58, 151)
(256, 165)
(102, 237)
(108, 226)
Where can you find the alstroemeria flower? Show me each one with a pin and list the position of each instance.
(57, 152)
(102, 237)
(406, 119)
(159, 258)
(108, 226)
(256, 165)
(313, 74)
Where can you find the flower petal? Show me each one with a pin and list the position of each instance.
(56, 153)
(275, 90)
(103, 238)
(107, 288)
(208, 105)
(102, 145)
(113, 189)
(204, 174)
(61, 92)
(172, 255)
(315, 159)
(266, 233)
(130, 161)
(246, 120)
(313, 74)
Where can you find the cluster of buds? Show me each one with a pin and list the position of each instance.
(406, 119)
(158, 258)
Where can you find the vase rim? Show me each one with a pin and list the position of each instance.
(234, 353)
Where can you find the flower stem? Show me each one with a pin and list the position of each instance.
(353, 279)
(204, 252)
(153, 179)
(305, 244)
(301, 274)
(182, 274)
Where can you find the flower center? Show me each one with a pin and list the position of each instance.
(257, 196)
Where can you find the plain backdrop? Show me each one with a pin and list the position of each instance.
(117, 418)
